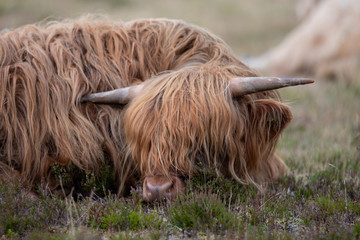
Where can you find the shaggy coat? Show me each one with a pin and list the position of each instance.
(185, 116)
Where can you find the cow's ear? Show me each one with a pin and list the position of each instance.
(269, 117)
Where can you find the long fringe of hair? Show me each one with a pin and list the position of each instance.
(185, 115)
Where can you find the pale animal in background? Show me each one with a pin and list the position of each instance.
(326, 43)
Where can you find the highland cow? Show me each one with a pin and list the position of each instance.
(158, 98)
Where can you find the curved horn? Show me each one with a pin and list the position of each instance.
(246, 85)
(117, 96)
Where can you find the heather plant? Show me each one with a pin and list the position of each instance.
(22, 212)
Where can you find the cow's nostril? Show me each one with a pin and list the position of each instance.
(159, 187)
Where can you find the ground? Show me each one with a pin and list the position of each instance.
(319, 198)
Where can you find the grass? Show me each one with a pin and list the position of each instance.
(110, 214)
(318, 199)
(320, 205)
(203, 212)
(20, 213)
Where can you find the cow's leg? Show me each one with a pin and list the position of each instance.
(160, 187)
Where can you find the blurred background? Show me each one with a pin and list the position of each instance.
(249, 27)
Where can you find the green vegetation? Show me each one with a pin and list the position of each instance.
(120, 216)
(84, 183)
(320, 205)
(201, 211)
(318, 199)
(21, 212)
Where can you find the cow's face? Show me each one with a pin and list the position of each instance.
(177, 120)
(181, 120)
(187, 119)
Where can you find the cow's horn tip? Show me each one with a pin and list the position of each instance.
(308, 80)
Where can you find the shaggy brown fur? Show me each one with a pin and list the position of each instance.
(185, 115)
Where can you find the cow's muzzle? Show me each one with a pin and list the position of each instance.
(160, 187)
